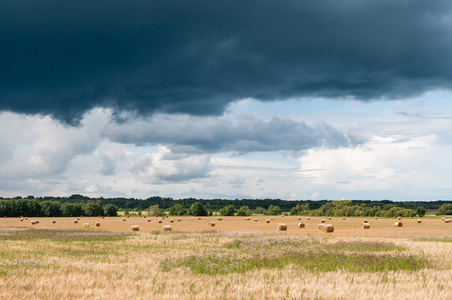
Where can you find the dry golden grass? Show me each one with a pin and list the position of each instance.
(46, 268)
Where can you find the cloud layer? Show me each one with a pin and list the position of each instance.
(65, 58)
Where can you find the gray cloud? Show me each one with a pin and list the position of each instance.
(247, 133)
(195, 57)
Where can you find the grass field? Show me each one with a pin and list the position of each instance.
(235, 259)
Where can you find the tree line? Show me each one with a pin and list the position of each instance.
(77, 205)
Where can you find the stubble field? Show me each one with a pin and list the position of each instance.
(235, 259)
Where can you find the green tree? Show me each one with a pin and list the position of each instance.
(421, 211)
(92, 209)
(228, 210)
(71, 209)
(445, 209)
(156, 211)
(177, 210)
(51, 209)
(110, 210)
(244, 211)
(260, 211)
(273, 210)
(197, 209)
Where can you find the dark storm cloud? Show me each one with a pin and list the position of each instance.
(66, 57)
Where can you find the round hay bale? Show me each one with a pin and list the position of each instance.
(85, 225)
(26, 218)
(149, 220)
(299, 219)
(272, 218)
(365, 226)
(247, 219)
(33, 222)
(135, 228)
(447, 220)
(328, 228)
(97, 224)
(255, 220)
(160, 221)
(103, 217)
(376, 218)
(329, 218)
(301, 225)
(282, 227)
(127, 217)
(322, 221)
(399, 218)
(442, 219)
(75, 221)
(418, 221)
(220, 219)
(365, 221)
(166, 217)
(308, 218)
(167, 228)
(37, 221)
(78, 218)
(267, 221)
(398, 224)
(178, 220)
(343, 218)
(212, 224)
(171, 221)
(124, 219)
(199, 218)
(53, 221)
(21, 219)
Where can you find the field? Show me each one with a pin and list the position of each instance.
(235, 259)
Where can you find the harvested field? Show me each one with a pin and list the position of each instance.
(236, 259)
(349, 227)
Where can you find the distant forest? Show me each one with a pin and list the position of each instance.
(76, 205)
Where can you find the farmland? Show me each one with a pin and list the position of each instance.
(235, 259)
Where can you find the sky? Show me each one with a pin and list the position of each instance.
(288, 99)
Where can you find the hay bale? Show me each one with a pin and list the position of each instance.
(167, 228)
(149, 220)
(376, 218)
(97, 224)
(212, 224)
(272, 218)
(398, 224)
(329, 218)
(21, 219)
(365, 221)
(442, 219)
(247, 219)
(78, 218)
(220, 219)
(343, 218)
(308, 218)
(447, 220)
(199, 218)
(328, 228)
(160, 221)
(53, 221)
(135, 228)
(75, 221)
(37, 221)
(124, 219)
(171, 221)
(301, 225)
(267, 221)
(255, 220)
(127, 217)
(103, 217)
(365, 225)
(322, 221)
(282, 227)
(33, 222)
(26, 218)
(85, 225)
(399, 218)
(178, 220)
(299, 219)
(418, 221)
